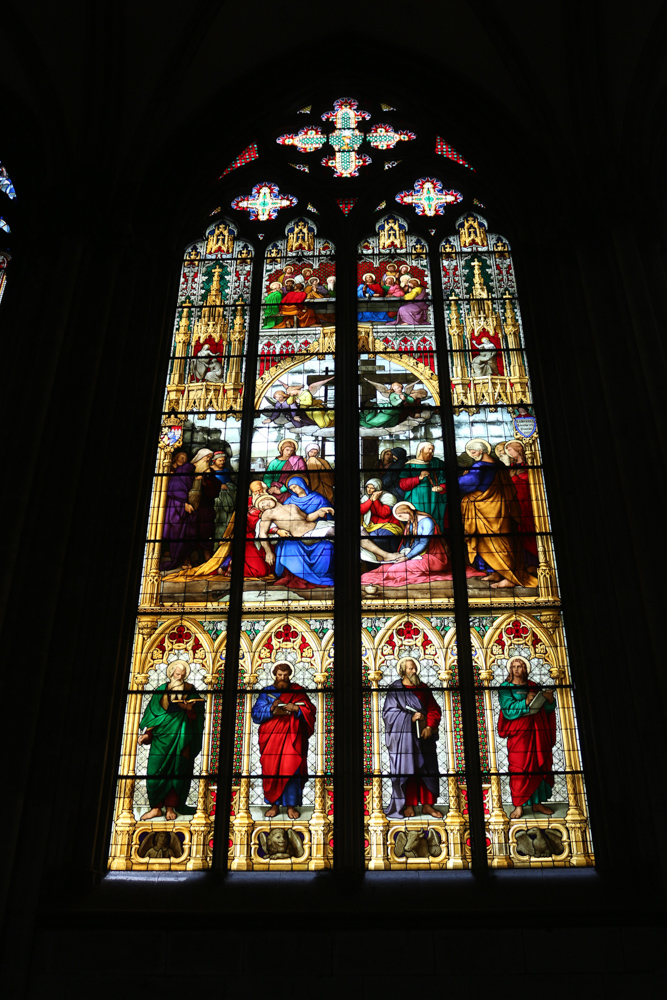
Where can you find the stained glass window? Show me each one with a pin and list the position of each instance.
(349, 446)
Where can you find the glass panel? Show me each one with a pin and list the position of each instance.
(503, 499)
(166, 791)
(415, 792)
(404, 551)
(291, 506)
(167, 776)
(282, 789)
(535, 806)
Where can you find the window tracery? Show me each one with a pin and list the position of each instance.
(468, 740)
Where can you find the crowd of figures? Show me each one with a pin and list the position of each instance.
(403, 511)
(405, 519)
(405, 292)
(292, 299)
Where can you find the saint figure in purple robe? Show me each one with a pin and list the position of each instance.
(180, 517)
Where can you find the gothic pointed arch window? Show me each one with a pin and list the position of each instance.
(349, 447)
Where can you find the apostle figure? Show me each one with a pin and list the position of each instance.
(413, 310)
(422, 481)
(516, 459)
(174, 722)
(272, 305)
(226, 498)
(527, 721)
(320, 473)
(282, 467)
(180, 517)
(491, 518)
(411, 719)
(286, 719)
(368, 288)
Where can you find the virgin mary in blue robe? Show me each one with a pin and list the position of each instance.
(309, 559)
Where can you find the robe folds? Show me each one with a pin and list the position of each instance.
(410, 757)
(420, 491)
(491, 516)
(176, 739)
(309, 559)
(283, 739)
(180, 527)
(530, 739)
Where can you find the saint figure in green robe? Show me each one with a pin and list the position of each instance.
(272, 306)
(174, 723)
(423, 482)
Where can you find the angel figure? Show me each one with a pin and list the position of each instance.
(307, 410)
(399, 402)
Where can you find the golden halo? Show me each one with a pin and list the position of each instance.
(176, 663)
(481, 441)
(403, 659)
(517, 657)
(285, 441)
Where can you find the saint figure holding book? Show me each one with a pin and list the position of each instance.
(527, 721)
(411, 719)
(286, 719)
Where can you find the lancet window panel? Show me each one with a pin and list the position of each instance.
(283, 780)
(166, 791)
(536, 810)
(414, 760)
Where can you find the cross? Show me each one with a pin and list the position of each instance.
(263, 202)
(428, 197)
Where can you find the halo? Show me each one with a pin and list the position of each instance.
(282, 663)
(402, 503)
(285, 441)
(262, 497)
(517, 657)
(414, 659)
(177, 663)
(481, 441)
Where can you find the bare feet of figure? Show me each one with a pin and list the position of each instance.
(493, 577)
(518, 813)
(503, 583)
(428, 810)
(273, 811)
(155, 813)
(170, 813)
(540, 808)
(409, 812)
(292, 812)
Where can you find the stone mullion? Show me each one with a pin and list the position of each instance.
(220, 858)
(348, 694)
(466, 675)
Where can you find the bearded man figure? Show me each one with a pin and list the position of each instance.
(527, 721)
(286, 719)
(411, 719)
